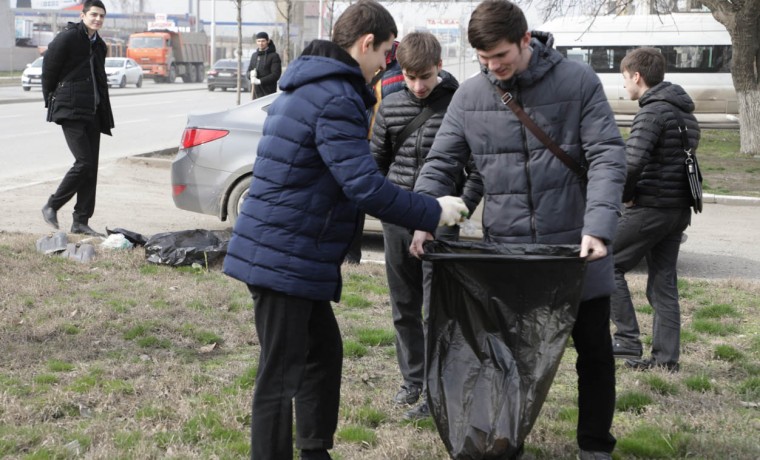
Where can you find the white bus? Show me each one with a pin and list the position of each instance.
(696, 46)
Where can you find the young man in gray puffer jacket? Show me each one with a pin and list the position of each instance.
(530, 195)
(658, 208)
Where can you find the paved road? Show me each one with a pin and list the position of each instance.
(135, 194)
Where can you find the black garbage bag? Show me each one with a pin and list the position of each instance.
(133, 237)
(186, 247)
(500, 317)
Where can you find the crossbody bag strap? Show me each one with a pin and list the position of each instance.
(683, 131)
(418, 121)
(413, 126)
(509, 101)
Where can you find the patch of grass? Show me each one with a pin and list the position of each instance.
(149, 269)
(351, 300)
(199, 335)
(644, 309)
(56, 365)
(45, 379)
(648, 441)
(121, 305)
(727, 353)
(359, 283)
(70, 329)
(749, 389)
(711, 327)
(151, 341)
(353, 349)
(136, 331)
(358, 435)
(698, 383)
(688, 336)
(127, 440)
(660, 385)
(632, 401)
(376, 337)
(248, 378)
(368, 416)
(716, 311)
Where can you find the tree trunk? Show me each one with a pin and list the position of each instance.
(744, 28)
(749, 121)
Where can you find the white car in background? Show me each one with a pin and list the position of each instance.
(32, 75)
(123, 71)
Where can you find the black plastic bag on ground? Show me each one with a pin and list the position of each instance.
(133, 237)
(186, 247)
(500, 318)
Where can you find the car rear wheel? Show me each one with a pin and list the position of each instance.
(139, 81)
(123, 82)
(27, 88)
(235, 201)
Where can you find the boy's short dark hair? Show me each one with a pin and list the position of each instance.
(418, 51)
(493, 21)
(648, 62)
(90, 3)
(361, 18)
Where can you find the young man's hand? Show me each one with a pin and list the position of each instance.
(453, 210)
(419, 238)
(593, 248)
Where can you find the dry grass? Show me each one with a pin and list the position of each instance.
(111, 360)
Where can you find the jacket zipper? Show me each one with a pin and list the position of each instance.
(526, 152)
(94, 83)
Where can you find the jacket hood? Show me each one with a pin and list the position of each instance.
(668, 92)
(543, 58)
(323, 59)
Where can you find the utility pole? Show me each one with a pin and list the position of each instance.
(213, 32)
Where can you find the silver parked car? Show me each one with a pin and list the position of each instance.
(123, 71)
(213, 168)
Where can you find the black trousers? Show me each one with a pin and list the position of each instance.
(83, 139)
(409, 282)
(301, 359)
(596, 375)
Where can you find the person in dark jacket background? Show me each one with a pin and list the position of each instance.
(265, 67)
(658, 209)
(530, 195)
(313, 170)
(427, 89)
(75, 91)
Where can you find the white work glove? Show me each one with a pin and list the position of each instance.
(453, 210)
(256, 81)
(252, 74)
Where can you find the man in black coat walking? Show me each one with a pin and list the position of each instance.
(265, 67)
(75, 90)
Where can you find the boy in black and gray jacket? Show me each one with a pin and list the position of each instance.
(402, 134)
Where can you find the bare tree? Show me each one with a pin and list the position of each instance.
(286, 9)
(742, 21)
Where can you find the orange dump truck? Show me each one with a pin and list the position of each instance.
(165, 55)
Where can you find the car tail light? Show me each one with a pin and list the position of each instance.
(197, 136)
(178, 189)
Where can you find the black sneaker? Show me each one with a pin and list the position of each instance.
(408, 394)
(84, 229)
(50, 216)
(647, 364)
(418, 412)
(622, 352)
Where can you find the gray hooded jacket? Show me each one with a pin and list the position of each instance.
(530, 195)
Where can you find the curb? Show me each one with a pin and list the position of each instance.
(157, 159)
(163, 159)
(733, 200)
